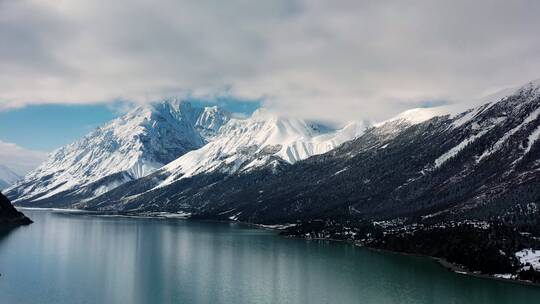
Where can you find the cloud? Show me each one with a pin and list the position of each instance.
(336, 60)
(19, 159)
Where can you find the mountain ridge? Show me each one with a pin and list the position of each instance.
(400, 185)
(128, 147)
(265, 141)
(459, 187)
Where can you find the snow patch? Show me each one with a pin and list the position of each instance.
(468, 116)
(455, 150)
(533, 137)
(507, 276)
(418, 115)
(341, 171)
(529, 256)
(106, 188)
(499, 144)
(235, 216)
(277, 226)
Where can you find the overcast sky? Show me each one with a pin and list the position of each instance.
(19, 159)
(339, 60)
(330, 60)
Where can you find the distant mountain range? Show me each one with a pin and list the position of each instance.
(7, 177)
(178, 141)
(472, 177)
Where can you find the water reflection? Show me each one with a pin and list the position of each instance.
(66, 258)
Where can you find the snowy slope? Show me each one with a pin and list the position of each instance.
(7, 177)
(402, 166)
(417, 115)
(501, 94)
(524, 108)
(432, 169)
(263, 139)
(209, 121)
(127, 148)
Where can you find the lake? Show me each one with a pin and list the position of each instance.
(76, 258)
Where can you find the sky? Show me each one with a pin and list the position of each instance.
(29, 133)
(46, 127)
(331, 60)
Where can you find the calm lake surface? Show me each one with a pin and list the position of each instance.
(74, 258)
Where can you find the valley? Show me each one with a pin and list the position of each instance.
(460, 186)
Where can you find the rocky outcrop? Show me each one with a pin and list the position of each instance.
(9, 216)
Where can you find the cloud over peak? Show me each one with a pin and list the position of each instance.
(335, 60)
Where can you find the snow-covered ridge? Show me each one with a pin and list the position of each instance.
(472, 119)
(135, 144)
(264, 138)
(417, 115)
(501, 94)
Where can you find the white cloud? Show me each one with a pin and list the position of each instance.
(19, 159)
(318, 59)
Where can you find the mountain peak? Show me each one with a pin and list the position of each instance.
(531, 88)
(416, 115)
(210, 120)
(129, 147)
(513, 90)
(260, 140)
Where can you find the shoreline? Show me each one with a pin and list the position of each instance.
(454, 268)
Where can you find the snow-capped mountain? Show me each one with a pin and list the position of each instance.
(7, 177)
(127, 148)
(263, 139)
(466, 165)
(427, 181)
(462, 187)
(416, 116)
(481, 163)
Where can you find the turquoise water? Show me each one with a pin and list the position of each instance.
(70, 258)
